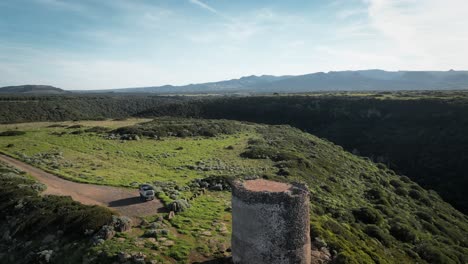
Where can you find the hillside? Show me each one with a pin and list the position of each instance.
(364, 80)
(429, 128)
(32, 89)
(43, 229)
(362, 212)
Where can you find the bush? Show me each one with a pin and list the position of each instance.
(179, 205)
(12, 133)
(74, 126)
(401, 191)
(424, 216)
(433, 254)
(377, 233)
(344, 258)
(402, 232)
(415, 194)
(41, 214)
(259, 152)
(367, 215)
(97, 129)
(396, 183)
(377, 196)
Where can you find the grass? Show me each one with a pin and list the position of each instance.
(91, 158)
(198, 234)
(362, 210)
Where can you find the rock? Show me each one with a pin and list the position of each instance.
(45, 256)
(156, 233)
(222, 248)
(171, 215)
(121, 223)
(206, 233)
(217, 187)
(48, 239)
(179, 205)
(138, 258)
(168, 243)
(155, 225)
(106, 233)
(99, 241)
(319, 243)
(123, 257)
(144, 223)
(321, 256)
(6, 236)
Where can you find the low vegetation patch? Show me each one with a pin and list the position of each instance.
(31, 223)
(12, 133)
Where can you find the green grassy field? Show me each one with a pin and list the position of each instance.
(89, 157)
(202, 232)
(361, 211)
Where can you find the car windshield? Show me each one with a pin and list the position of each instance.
(146, 188)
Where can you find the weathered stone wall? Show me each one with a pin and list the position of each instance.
(270, 226)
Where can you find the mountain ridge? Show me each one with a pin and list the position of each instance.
(361, 80)
(32, 89)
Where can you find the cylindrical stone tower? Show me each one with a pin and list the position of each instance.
(270, 223)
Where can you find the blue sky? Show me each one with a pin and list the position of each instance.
(131, 43)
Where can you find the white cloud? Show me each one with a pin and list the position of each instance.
(430, 34)
(350, 13)
(204, 6)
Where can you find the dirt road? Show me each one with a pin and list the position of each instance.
(126, 201)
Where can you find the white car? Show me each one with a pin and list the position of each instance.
(146, 192)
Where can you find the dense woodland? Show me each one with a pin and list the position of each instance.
(420, 135)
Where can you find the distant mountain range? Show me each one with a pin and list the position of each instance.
(32, 89)
(364, 80)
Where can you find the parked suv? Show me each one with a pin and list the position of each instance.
(146, 192)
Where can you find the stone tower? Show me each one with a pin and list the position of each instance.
(270, 223)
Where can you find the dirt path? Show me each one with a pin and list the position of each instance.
(126, 201)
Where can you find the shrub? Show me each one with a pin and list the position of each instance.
(74, 126)
(97, 129)
(344, 258)
(396, 183)
(424, 216)
(377, 233)
(367, 215)
(405, 179)
(402, 232)
(376, 195)
(433, 254)
(401, 191)
(381, 166)
(179, 205)
(12, 133)
(415, 194)
(258, 152)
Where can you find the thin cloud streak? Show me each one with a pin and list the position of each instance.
(204, 6)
